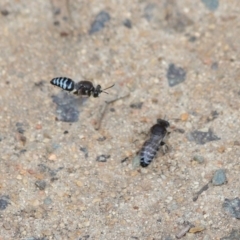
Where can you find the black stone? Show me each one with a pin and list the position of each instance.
(202, 137)
(232, 206)
(175, 75)
(4, 201)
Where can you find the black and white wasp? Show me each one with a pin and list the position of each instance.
(149, 149)
(82, 88)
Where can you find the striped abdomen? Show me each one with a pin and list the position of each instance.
(149, 150)
(64, 83)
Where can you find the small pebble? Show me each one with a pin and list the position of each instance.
(52, 157)
(4, 12)
(214, 66)
(47, 201)
(175, 75)
(183, 231)
(192, 39)
(85, 151)
(127, 23)
(7, 225)
(20, 128)
(41, 184)
(232, 206)
(4, 201)
(213, 115)
(219, 177)
(198, 158)
(102, 158)
(196, 229)
(23, 139)
(79, 183)
(136, 161)
(38, 126)
(99, 22)
(202, 137)
(101, 139)
(212, 5)
(184, 116)
(136, 105)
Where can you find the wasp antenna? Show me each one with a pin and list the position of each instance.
(108, 88)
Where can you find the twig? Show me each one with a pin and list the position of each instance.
(102, 110)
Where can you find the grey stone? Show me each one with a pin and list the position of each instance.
(219, 177)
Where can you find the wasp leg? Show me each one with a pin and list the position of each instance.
(165, 147)
(79, 91)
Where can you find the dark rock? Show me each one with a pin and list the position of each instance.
(102, 158)
(99, 22)
(213, 115)
(67, 107)
(175, 75)
(22, 151)
(127, 23)
(192, 39)
(85, 237)
(4, 12)
(219, 177)
(20, 127)
(85, 151)
(4, 201)
(232, 206)
(45, 169)
(202, 137)
(212, 5)
(101, 139)
(198, 158)
(136, 105)
(41, 184)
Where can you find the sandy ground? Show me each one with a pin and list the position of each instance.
(177, 60)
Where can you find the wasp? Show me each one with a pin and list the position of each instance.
(82, 88)
(158, 132)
